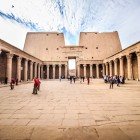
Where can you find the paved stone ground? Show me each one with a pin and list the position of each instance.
(71, 111)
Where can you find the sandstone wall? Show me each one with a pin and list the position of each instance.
(45, 46)
(98, 46)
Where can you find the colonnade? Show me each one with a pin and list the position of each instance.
(127, 66)
(90, 70)
(61, 71)
(35, 69)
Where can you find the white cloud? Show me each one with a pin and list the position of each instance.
(71, 17)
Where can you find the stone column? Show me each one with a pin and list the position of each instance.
(84, 70)
(31, 70)
(103, 70)
(39, 71)
(60, 70)
(110, 68)
(97, 70)
(48, 71)
(53, 71)
(25, 69)
(35, 69)
(121, 67)
(129, 66)
(78, 70)
(115, 67)
(138, 59)
(9, 66)
(91, 75)
(19, 68)
(66, 71)
(106, 64)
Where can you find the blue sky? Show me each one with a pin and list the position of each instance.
(17, 17)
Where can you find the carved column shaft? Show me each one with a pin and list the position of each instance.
(121, 67)
(103, 66)
(110, 68)
(31, 70)
(35, 69)
(48, 71)
(19, 68)
(25, 69)
(97, 70)
(53, 71)
(115, 66)
(106, 68)
(38, 70)
(129, 66)
(60, 71)
(91, 75)
(9, 66)
(84, 70)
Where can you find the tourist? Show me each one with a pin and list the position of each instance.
(12, 83)
(111, 81)
(117, 80)
(35, 86)
(70, 79)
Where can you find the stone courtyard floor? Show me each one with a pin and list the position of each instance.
(77, 111)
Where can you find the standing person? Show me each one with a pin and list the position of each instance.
(118, 80)
(88, 80)
(111, 81)
(60, 78)
(70, 79)
(35, 86)
(12, 83)
(83, 78)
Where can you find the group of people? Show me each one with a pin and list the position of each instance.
(82, 79)
(36, 85)
(114, 80)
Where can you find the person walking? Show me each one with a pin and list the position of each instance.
(35, 86)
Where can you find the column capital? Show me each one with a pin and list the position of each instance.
(106, 63)
(19, 58)
(9, 55)
(97, 65)
(138, 54)
(129, 56)
(91, 65)
(53, 65)
(110, 62)
(121, 57)
(26, 60)
(84, 65)
(116, 60)
(60, 65)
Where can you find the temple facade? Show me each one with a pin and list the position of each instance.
(46, 56)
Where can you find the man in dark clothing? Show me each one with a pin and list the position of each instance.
(111, 81)
(88, 80)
